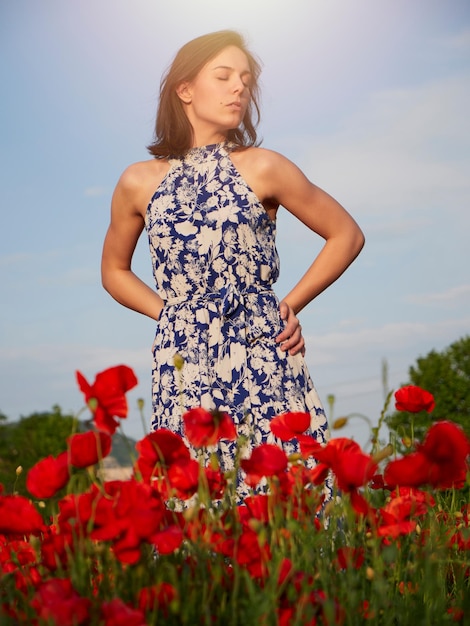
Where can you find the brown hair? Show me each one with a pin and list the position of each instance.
(173, 131)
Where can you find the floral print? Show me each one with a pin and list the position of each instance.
(214, 259)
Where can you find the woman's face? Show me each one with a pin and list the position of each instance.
(216, 100)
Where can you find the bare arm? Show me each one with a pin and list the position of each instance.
(126, 225)
(284, 184)
(324, 216)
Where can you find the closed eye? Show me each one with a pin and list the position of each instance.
(245, 76)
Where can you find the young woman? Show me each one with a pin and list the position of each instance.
(209, 200)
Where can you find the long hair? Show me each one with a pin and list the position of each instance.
(173, 131)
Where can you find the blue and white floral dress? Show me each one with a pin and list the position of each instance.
(214, 261)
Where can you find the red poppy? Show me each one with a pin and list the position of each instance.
(292, 483)
(414, 399)
(365, 611)
(56, 545)
(377, 482)
(156, 597)
(258, 507)
(168, 540)
(349, 557)
(460, 540)
(206, 428)
(26, 579)
(419, 502)
(183, 477)
(309, 446)
(397, 517)
(456, 613)
(361, 505)
(392, 528)
(319, 474)
(57, 602)
(216, 482)
(252, 554)
(446, 442)
(353, 469)
(334, 449)
(106, 397)
(88, 448)
(441, 461)
(69, 507)
(266, 460)
(159, 450)
(299, 598)
(118, 613)
(14, 552)
(128, 514)
(18, 516)
(290, 425)
(48, 476)
(345, 458)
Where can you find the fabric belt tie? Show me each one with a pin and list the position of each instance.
(231, 298)
(234, 308)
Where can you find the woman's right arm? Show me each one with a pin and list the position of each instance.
(127, 222)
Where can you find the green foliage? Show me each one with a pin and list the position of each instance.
(373, 558)
(32, 438)
(446, 375)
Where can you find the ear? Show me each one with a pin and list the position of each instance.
(183, 91)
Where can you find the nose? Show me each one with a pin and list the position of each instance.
(239, 85)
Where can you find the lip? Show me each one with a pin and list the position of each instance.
(235, 105)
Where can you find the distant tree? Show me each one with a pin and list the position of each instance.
(446, 375)
(25, 442)
(30, 439)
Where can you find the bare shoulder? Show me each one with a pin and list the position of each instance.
(142, 173)
(263, 159)
(139, 181)
(267, 172)
(266, 165)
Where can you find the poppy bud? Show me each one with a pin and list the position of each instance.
(339, 423)
(178, 362)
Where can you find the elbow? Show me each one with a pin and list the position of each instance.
(104, 283)
(108, 286)
(356, 240)
(359, 241)
(106, 280)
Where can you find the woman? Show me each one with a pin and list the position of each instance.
(209, 200)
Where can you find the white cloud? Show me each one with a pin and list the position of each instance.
(331, 348)
(405, 149)
(458, 41)
(73, 276)
(18, 258)
(96, 192)
(393, 227)
(352, 323)
(348, 364)
(453, 295)
(61, 357)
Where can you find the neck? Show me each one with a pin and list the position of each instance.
(205, 137)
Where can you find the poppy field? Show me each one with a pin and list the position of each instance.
(172, 544)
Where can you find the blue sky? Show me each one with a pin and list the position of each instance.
(369, 98)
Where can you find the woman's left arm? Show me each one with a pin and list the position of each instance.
(285, 183)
